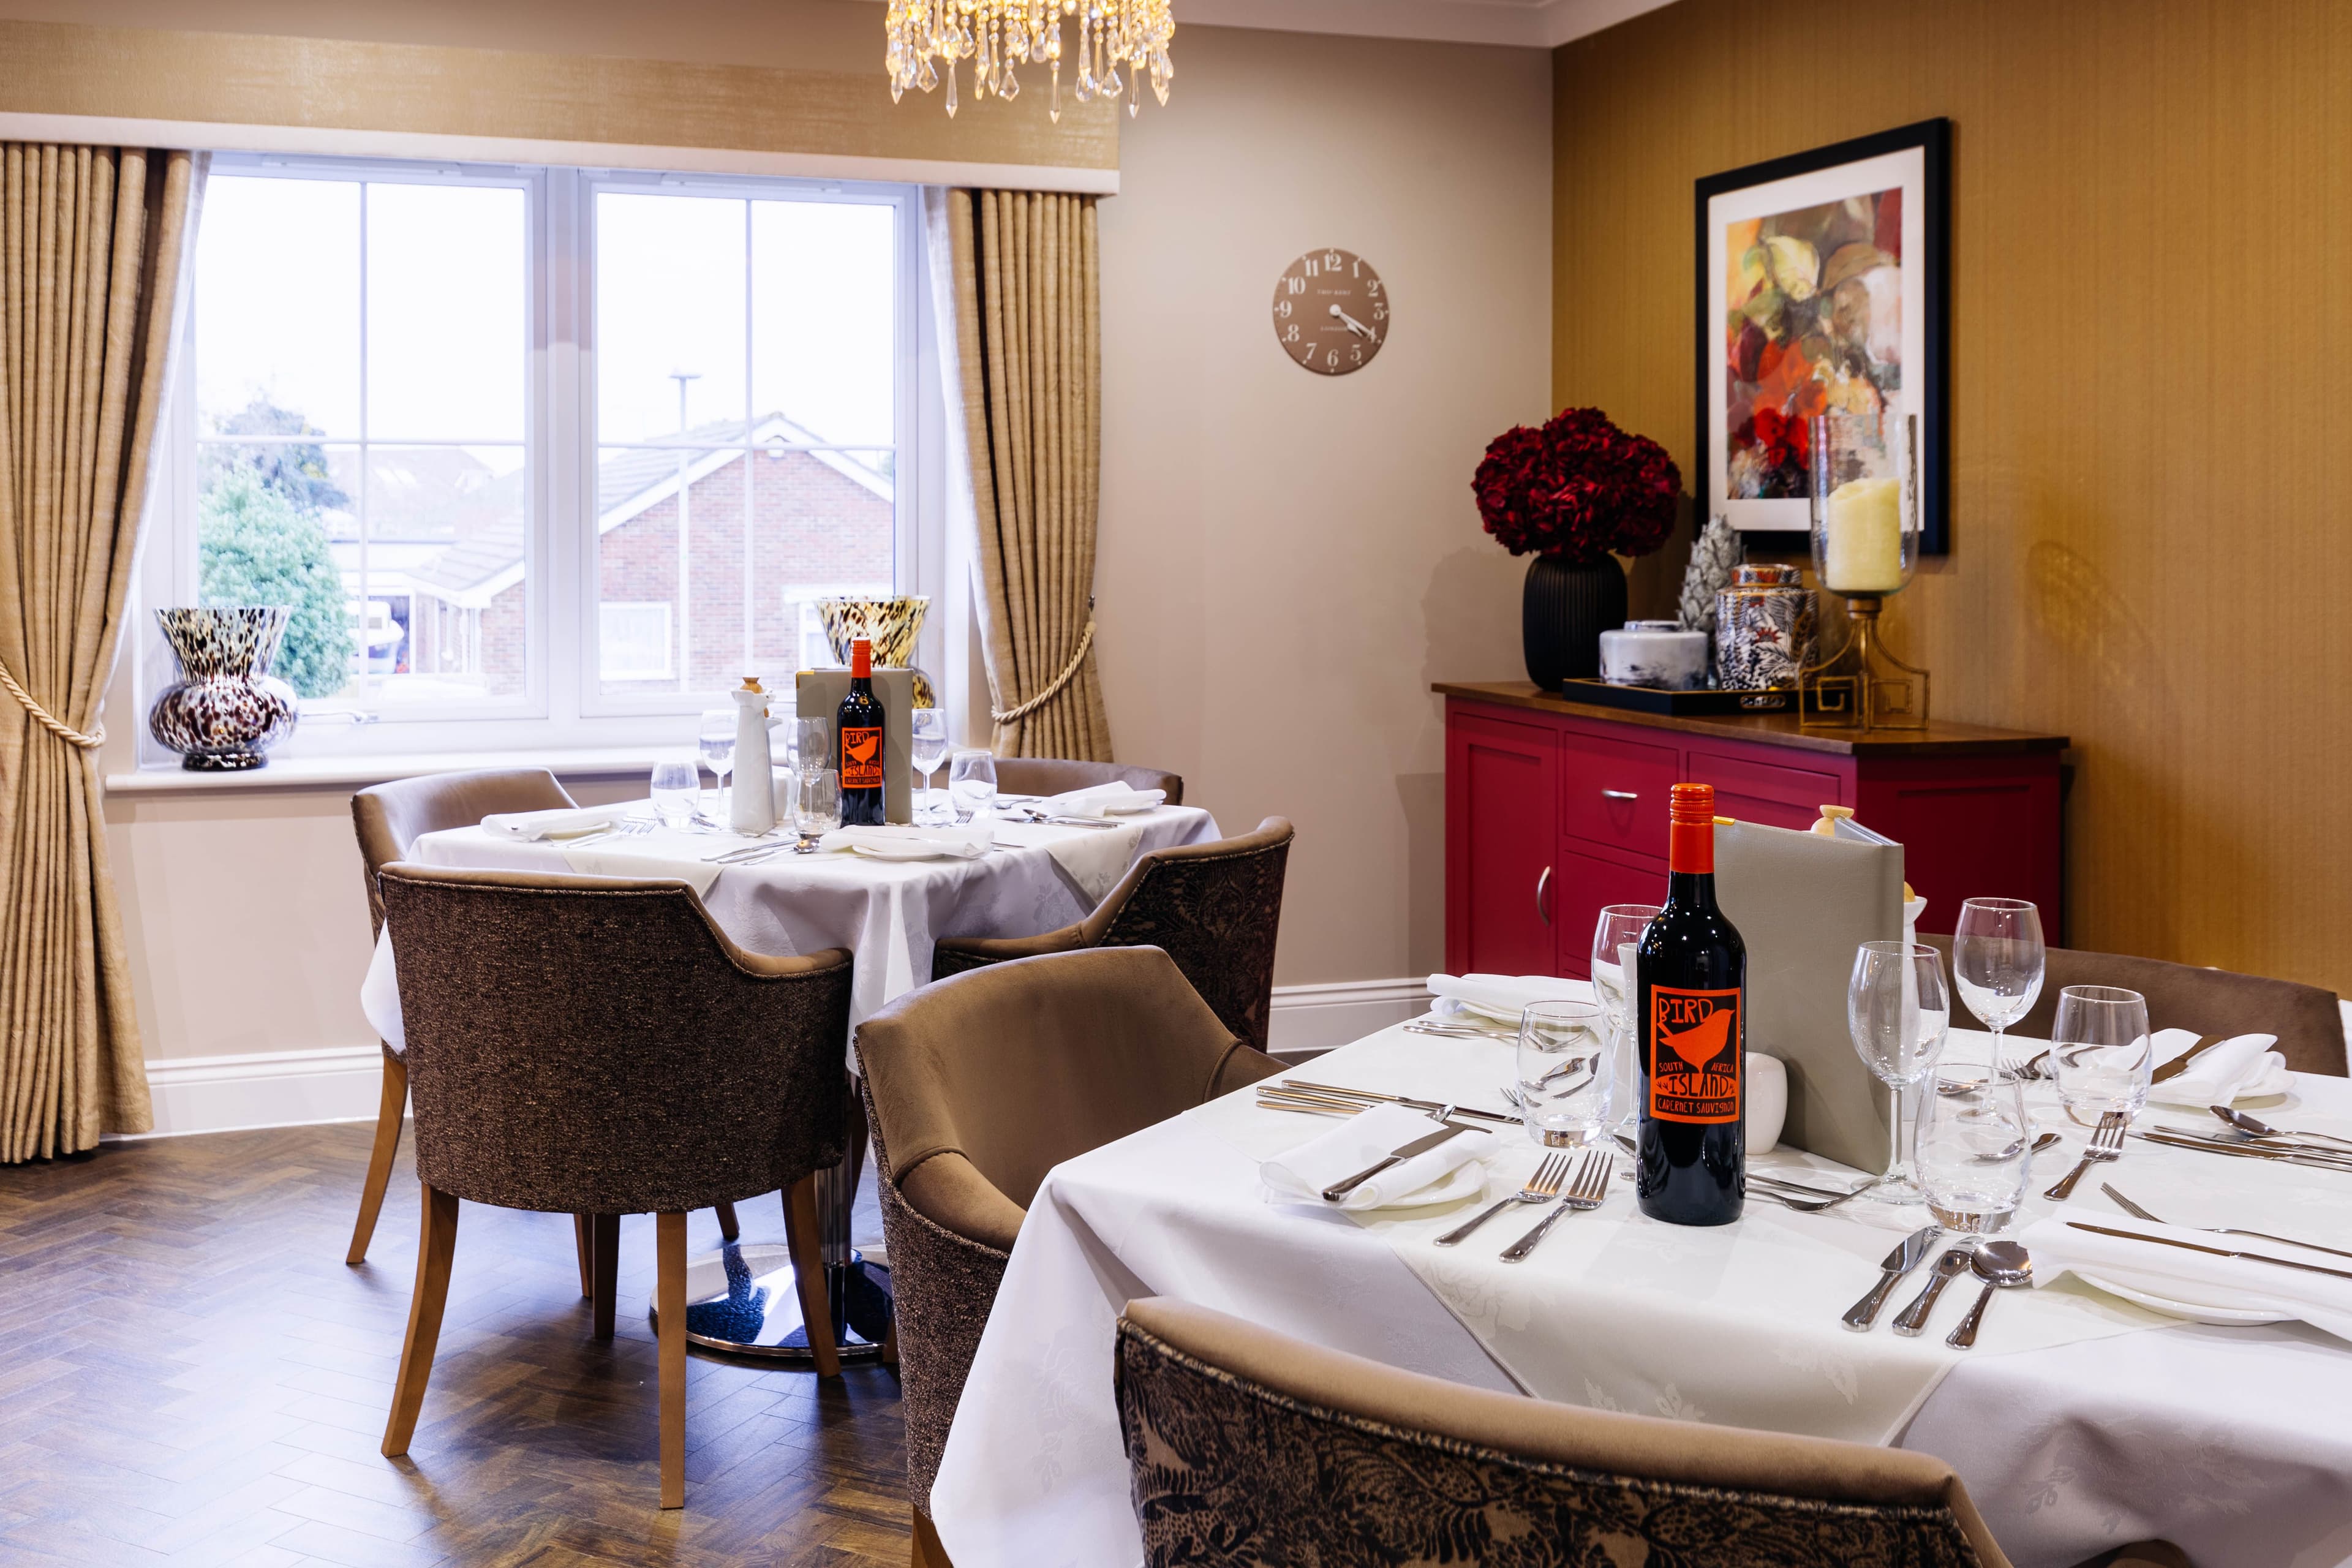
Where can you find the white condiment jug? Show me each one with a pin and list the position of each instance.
(752, 810)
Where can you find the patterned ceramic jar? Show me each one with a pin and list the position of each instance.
(226, 708)
(1764, 633)
(890, 624)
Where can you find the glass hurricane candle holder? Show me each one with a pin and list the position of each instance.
(1866, 533)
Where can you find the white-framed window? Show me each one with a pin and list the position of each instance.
(541, 456)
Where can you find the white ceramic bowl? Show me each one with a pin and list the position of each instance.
(1654, 653)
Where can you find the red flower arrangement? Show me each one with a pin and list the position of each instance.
(1577, 489)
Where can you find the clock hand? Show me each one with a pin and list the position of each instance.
(1354, 325)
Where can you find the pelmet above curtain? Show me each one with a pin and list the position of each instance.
(1015, 273)
(92, 242)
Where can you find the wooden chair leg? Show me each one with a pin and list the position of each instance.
(670, 1308)
(437, 1241)
(391, 1106)
(584, 1248)
(604, 1266)
(728, 1228)
(804, 1238)
(926, 1551)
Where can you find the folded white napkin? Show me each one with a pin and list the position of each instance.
(562, 821)
(2241, 1068)
(2193, 1279)
(1300, 1175)
(1101, 800)
(954, 843)
(1504, 997)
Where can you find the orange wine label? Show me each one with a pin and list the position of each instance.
(1694, 1043)
(861, 758)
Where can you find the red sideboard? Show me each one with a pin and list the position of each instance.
(1554, 808)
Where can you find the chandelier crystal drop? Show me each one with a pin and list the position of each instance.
(927, 37)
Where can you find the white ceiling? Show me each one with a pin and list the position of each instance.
(1534, 24)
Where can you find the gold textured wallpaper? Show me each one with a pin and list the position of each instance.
(2150, 394)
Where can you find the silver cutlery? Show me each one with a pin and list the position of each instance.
(1297, 1085)
(1907, 1254)
(1588, 1190)
(1459, 1031)
(627, 827)
(2259, 1128)
(2106, 1143)
(1397, 1156)
(2214, 1251)
(2185, 1060)
(1805, 1205)
(2033, 1068)
(1542, 1187)
(2137, 1212)
(2001, 1265)
(2250, 1149)
(1912, 1319)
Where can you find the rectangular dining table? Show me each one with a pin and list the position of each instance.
(2079, 1422)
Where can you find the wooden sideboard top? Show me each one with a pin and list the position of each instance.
(1767, 729)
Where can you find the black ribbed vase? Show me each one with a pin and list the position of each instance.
(1562, 614)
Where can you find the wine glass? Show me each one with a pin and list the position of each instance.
(927, 750)
(1898, 1013)
(1998, 961)
(1564, 1072)
(715, 740)
(1975, 1146)
(972, 783)
(2100, 1052)
(819, 810)
(813, 744)
(677, 789)
(1620, 926)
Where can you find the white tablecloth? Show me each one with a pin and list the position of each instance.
(888, 913)
(2234, 1443)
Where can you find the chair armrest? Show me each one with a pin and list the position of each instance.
(998, 949)
(949, 1191)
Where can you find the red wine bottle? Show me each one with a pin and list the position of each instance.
(859, 724)
(1691, 971)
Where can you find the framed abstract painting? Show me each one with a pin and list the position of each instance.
(1824, 288)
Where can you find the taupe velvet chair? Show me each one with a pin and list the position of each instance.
(591, 1046)
(1249, 1447)
(1055, 776)
(2305, 1018)
(1215, 909)
(975, 1087)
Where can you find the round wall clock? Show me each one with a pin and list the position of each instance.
(1330, 311)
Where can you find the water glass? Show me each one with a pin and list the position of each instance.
(677, 790)
(1898, 1013)
(813, 744)
(1974, 1146)
(1564, 1072)
(2101, 1052)
(819, 811)
(1618, 931)
(1998, 959)
(972, 783)
(715, 738)
(927, 750)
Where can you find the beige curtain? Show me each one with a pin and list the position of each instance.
(1028, 353)
(91, 245)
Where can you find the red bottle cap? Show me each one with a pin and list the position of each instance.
(861, 666)
(1690, 832)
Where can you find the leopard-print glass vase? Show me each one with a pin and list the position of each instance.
(226, 709)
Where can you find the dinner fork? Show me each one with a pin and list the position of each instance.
(1589, 1190)
(627, 827)
(1542, 1187)
(1458, 1031)
(2106, 1143)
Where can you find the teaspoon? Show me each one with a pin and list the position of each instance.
(2000, 1264)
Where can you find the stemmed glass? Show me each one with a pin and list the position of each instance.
(972, 783)
(716, 739)
(1564, 1072)
(1998, 961)
(811, 744)
(676, 788)
(1975, 1147)
(2101, 1053)
(819, 809)
(1898, 1013)
(928, 750)
(1620, 927)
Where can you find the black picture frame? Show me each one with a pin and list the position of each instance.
(1933, 138)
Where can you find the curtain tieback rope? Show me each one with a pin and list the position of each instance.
(73, 737)
(1007, 715)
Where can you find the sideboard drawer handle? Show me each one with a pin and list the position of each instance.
(1619, 795)
(1543, 904)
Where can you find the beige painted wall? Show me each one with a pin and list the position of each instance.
(1289, 560)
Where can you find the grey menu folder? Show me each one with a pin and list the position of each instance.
(1803, 903)
(818, 694)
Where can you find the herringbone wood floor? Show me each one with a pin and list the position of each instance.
(189, 1374)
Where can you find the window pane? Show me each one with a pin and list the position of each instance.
(276, 526)
(277, 307)
(825, 528)
(823, 325)
(643, 535)
(669, 314)
(449, 556)
(447, 278)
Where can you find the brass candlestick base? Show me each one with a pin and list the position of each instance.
(1862, 686)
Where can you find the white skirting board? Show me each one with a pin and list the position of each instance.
(1309, 1020)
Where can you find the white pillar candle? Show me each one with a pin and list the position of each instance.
(1863, 550)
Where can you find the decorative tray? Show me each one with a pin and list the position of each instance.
(1660, 699)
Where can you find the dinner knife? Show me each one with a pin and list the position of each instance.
(2216, 1251)
(1906, 1257)
(2185, 1059)
(2282, 1144)
(1422, 1145)
(2245, 1151)
(1371, 1096)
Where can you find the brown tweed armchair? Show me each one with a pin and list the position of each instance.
(2305, 1018)
(1055, 776)
(1250, 1448)
(1214, 908)
(580, 1045)
(975, 1087)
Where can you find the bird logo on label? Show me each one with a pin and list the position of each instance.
(1703, 1042)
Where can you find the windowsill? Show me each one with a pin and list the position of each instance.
(357, 772)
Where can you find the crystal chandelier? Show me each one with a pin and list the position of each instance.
(928, 37)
